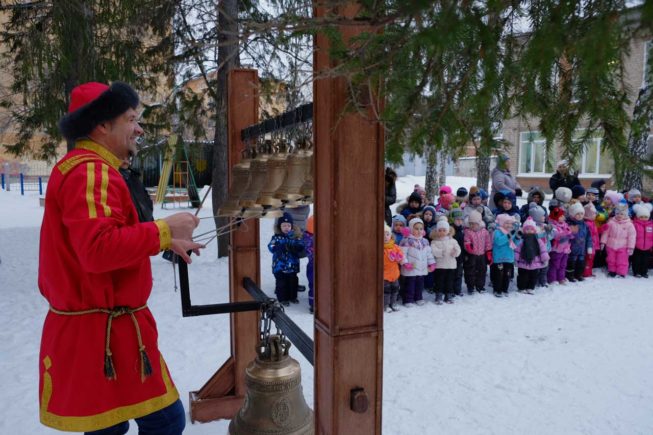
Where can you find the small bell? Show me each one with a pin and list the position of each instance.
(277, 170)
(240, 174)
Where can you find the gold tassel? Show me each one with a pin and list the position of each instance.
(109, 371)
(146, 366)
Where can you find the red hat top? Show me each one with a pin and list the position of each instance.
(556, 213)
(85, 93)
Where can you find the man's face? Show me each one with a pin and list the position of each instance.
(121, 134)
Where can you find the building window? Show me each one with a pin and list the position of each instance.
(595, 160)
(532, 154)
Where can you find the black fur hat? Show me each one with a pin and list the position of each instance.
(94, 103)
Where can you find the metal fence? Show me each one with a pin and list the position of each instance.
(149, 162)
(24, 176)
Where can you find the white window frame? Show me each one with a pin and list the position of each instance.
(532, 162)
(582, 173)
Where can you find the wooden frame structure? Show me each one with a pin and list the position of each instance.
(348, 331)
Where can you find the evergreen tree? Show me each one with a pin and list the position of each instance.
(54, 46)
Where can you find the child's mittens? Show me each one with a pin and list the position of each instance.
(405, 231)
(630, 252)
(409, 266)
(431, 267)
(469, 246)
(488, 255)
(392, 256)
(589, 251)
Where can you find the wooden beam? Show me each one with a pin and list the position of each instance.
(222, 396)
(349, 268)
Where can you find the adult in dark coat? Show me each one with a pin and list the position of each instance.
(390, 193)
(562, 177)
(601, 186)
(140, 196)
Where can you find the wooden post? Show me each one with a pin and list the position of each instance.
(222, 396)
(349, 237)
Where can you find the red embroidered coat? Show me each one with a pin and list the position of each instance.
(94, 254)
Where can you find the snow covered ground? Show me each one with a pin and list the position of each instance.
(576, 359)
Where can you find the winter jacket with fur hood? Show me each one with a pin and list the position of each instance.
(619, 234)
(418, 253)
(445, 250)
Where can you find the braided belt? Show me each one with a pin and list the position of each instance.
(109, 370)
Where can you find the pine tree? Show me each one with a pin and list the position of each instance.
(57, 45)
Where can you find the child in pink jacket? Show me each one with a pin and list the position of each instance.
(478, 249)
(531, 256)
(644, 239)
(618, 239)
(560, 247)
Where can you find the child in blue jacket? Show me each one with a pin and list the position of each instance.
(286, 247)
(504, 244)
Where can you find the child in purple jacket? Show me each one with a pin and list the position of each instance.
(560, 246)
(530, 256)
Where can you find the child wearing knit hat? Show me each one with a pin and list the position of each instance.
(546, 233)
(581, 243)
(477, 243)
(393, 256)
(475, 203)
(457, 221)
(445, 250)
(560, 246)
(419, 262)
(618, 239)
(644, 239)
(398, 224)
(531, 256)
(286, 246)
(504, 242)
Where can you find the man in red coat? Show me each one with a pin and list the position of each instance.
(99, 362)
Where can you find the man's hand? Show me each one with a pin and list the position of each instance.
(181, 248)
(182, 225)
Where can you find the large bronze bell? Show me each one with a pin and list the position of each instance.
(274, 403)
(240, 174)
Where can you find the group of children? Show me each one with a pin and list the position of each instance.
(435, 246)
(438, 246)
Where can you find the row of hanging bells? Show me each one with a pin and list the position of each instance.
(273, 175)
